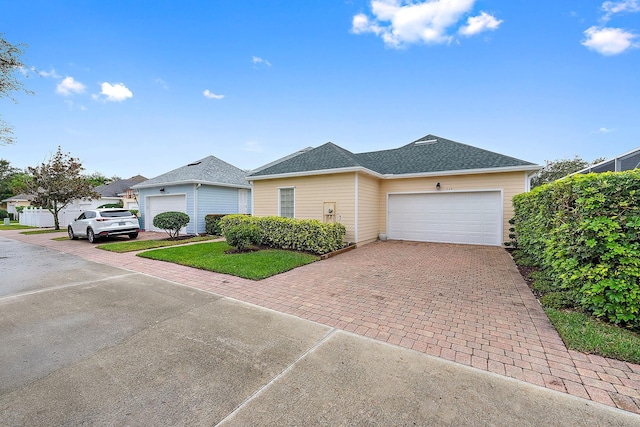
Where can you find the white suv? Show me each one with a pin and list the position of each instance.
(97, 223)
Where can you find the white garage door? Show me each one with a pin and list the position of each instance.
(472, 218)
(159, 204)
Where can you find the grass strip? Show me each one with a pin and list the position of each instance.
(581, 332)
(44, 231)
(249, 265)
(14, 227)
(140, 245)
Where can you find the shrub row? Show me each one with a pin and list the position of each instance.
(584, 233)
(288, 233)
(212, 224)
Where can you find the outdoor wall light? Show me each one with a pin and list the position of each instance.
(437, 186)
(162, 190)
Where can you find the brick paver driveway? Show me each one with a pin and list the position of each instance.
(464, 303)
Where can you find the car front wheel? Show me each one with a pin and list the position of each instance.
(72, 236)
(91, 236)
(133, 235)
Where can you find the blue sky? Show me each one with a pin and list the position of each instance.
(148, 86)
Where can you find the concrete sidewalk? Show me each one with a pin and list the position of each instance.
(466, 304)
(97, 345)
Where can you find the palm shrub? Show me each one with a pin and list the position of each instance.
(171, 222)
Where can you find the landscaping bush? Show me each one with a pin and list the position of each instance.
(584, 232)
(557, 300)
(212, 224)
(112, 205)
(288, 233)
(3, 214)
(241, 236)
(171, 222)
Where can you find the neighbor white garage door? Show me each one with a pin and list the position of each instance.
(159, 204)
(473, 218)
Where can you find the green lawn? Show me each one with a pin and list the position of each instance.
(583, 333)
(45, 231)
(13, 226)
(140, 245)
(250, 265)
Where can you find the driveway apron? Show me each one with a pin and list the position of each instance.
(467, 304)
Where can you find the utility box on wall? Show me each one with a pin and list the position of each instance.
(329, 212)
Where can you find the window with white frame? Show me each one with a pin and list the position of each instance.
(286, 202)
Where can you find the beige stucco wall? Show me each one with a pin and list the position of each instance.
(511, 183)
(368, 213)
(310, 194)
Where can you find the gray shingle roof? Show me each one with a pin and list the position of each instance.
(209, 170)
(19, 198)
(119, 187)
(425, 155)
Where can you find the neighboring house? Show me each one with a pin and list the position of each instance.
(207, 186)
(624, 162)
(432, 189)
(17, 201)
(112, 193)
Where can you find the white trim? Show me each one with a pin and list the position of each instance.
(294, 199)
(475, 190)
(355, 234)
(189, 181)
(615, 159)
(397, 176)
(195, 206)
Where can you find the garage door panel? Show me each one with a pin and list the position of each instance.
(160, 204)
(473, 217)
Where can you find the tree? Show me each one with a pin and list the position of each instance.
(96, 179)
(57, 182)
(10, 65)
(6, 172)
(556, 169)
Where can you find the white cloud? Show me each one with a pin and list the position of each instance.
(69, 86)
(613, 7)
(116, 92)
(603, 130)
(402, 22)
(161, 83)
(252, 146)
(609, 41)
(258, 60)
(51, 73)
(480, 23)
(207, 93)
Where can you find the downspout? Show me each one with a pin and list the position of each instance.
(195, 206)
(355, 235)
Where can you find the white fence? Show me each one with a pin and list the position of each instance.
(38, 217)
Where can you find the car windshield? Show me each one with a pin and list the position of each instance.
(115, 214)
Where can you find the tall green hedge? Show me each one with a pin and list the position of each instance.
(584, 232)
(288, 233)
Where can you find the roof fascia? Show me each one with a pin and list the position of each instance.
(314, 172)
(464, 172)
(190, 181)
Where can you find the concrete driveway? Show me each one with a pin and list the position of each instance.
(127, 348)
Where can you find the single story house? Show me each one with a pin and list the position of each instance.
(16, 201)
(624, 162)
(433, 190)
(120, 191)
(206, 186)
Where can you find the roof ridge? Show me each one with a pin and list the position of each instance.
(344, 153)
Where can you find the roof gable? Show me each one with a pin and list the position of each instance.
(210, 170)
(429, 154)
(118, 187)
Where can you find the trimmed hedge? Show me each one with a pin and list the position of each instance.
(287, 233)
(212, 224)
(584, 232)
(171, 222)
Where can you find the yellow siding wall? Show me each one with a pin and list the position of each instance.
(512, 183)
(368, 200)
(310, 193)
